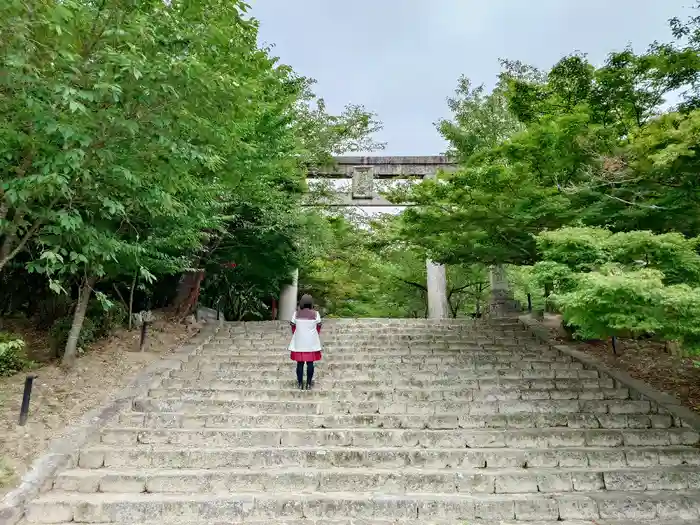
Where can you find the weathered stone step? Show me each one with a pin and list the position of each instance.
(377, 343)
(407, 481)
(458, 407)
(392, 521)
(417, 521)
(163, 456)
(387, 336)
(374, 366)
(591, 421)
(387, 395)
(214, 382)
(392, 375)
(422, 349)
(411, 354)
(362, 360)
(371, 437)
(381, 333)
(427, 349)
(172, 508)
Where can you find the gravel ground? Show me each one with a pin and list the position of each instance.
(60, 398)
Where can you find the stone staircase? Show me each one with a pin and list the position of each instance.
(410, 422)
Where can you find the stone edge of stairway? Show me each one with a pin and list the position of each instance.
(670, 403)
(65, 448)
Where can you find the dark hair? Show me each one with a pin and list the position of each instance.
(306, 302)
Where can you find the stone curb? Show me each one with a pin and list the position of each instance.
(63, 451)
(670, 403)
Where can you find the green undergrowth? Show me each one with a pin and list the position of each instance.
(13, 358)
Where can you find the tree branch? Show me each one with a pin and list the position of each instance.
(11, 235)
(417, 285)
(30, 233)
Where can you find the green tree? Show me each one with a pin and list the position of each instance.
(142, 140)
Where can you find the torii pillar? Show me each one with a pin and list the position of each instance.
(436, 283)
(288, 298)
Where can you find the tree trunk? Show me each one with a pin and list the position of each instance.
(479, 291)
(70, 355)
(131, 297)
(454, 307)
(188, 293)
(547, 291)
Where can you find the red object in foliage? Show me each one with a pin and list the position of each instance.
(229, 265)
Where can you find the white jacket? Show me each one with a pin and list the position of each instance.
(305, 337)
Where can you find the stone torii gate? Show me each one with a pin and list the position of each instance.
(363, 171)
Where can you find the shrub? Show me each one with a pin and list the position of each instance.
(51, 309)
(61, 328)
(106, 320)
(12, 357)
(614, 302)
(98, 323)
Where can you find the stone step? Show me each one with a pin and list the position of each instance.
(206, 405)
(373, 339)
(372, 437)
(576, 421)
(376, 341)
(172, 508)
(362, 360)
(411, 353)
(393, 375)
(395, 330)
(163, 456)
(386, 481)
(213, 382)
(270, 348)
(387, 395)
(257, 348)
(383, 335)
(409, 422)
(392, 521)
(284, 363)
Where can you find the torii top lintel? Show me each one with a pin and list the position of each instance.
(364, 170)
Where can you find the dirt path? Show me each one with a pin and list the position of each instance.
(61, 398)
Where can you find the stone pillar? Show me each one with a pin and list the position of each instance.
(501, 298)
(436, 281)
(288, 298)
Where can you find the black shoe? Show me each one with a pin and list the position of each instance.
(309, 385)
(300, 386)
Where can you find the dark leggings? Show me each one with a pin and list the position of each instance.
(309, 371)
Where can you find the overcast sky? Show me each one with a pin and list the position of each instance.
(402, 58)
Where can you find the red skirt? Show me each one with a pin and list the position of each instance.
(305, 356)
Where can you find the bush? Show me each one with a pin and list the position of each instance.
(61, 328)
(51, 309)
(636, 304)
(614, 302)
(681, 311)
(98, 324)
(105, 321)
(12, 357)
